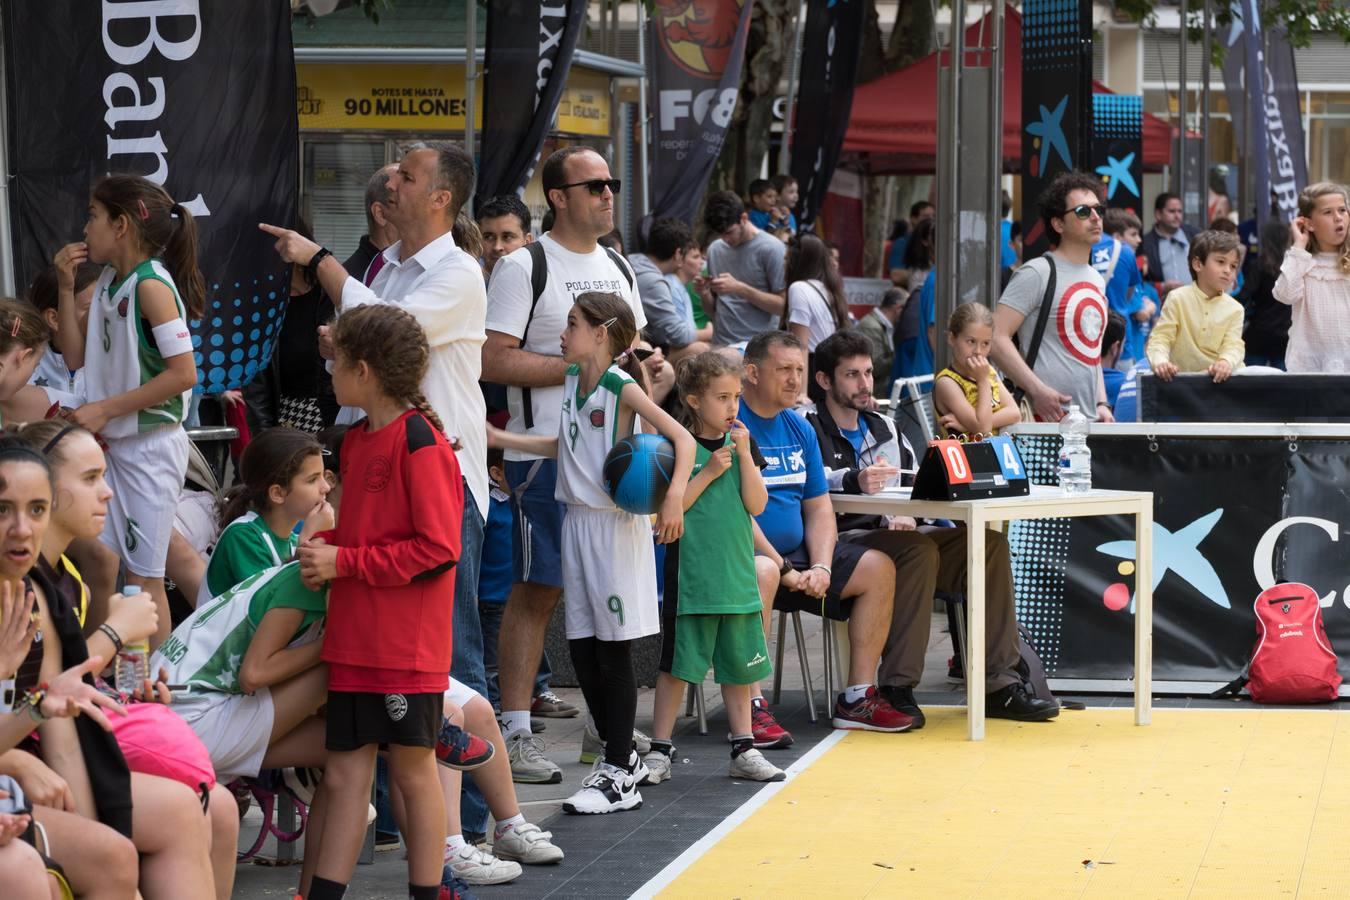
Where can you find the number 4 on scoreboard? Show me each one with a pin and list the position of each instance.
(1009, 460)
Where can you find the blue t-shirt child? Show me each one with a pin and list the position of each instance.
(494, 570)
(1124, 291)
(793, 472)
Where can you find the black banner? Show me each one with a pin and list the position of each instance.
(1056, 102)
(1250, 398)
(1118, 148)
(830, 50)
(529, 42)
(694, 52)
(198, 98)
(1215, 549)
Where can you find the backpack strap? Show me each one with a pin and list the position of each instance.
(538, 280)
(1042, 318)
(618, 260)
(1234, 687)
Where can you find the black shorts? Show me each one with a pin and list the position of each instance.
(834, 605)
(357, 719)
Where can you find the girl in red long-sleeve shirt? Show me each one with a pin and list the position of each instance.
(391, 567)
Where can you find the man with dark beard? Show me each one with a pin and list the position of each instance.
(863, 454)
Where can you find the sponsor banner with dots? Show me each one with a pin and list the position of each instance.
(235, 338)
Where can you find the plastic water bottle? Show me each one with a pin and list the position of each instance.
(1075, 459)
(133, 660)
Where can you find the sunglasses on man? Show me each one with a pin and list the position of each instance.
(596, 186)
(1085, 210)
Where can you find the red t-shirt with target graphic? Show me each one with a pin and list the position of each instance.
(1070, 355)
(398, 533)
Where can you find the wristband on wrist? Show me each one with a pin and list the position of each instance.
(34, 699)
(824, 568)
(8, 695)
(111, 634)
(785, 567)
(317, 258)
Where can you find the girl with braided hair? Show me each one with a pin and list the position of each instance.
(391, 566)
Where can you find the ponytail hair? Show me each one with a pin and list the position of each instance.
(394, 346)
(21, 325)
(165, 228)
(273, 457)
(600, 308)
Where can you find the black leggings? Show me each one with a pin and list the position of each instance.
(605, 671)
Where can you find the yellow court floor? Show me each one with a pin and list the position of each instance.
(1223, 804)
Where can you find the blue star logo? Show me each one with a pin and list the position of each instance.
(1050, 129)
(1180, 554)
(1118, 171)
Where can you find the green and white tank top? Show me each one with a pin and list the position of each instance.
(120, 354)
(586, 433)
(206, 651)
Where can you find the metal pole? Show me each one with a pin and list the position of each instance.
(1181, 116)
(794, 70)
(996, 135)
(645, 198)
(8, 277)
(470, 74)
(952, 213)
(1205, 61)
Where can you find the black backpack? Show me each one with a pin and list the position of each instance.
(538, 280)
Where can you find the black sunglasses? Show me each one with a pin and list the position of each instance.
(596, 185)
(1085, 210)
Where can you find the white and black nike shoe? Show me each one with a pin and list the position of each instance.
(607, 789)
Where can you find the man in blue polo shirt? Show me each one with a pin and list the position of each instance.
(797, 531)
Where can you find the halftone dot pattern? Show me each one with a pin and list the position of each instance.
(1040, 554)
(235, 338)
(1117, 116)
(1050, 35)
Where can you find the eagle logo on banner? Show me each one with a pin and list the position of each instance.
(698, 34)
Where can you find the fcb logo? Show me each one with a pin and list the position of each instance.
(698, 35)
(1081, 319)
(597, 418)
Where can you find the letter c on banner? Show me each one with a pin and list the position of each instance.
(1263, 557)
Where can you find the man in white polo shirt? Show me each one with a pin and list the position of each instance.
(527, 311)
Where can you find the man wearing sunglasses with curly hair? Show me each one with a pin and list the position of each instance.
(1066, 365)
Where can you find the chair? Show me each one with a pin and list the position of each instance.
(912, 409)
(834, 636)
(694, 702)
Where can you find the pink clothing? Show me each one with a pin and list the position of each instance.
(1319, 292)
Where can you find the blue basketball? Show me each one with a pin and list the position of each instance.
(637, 472)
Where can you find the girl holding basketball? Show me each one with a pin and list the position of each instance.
(136, 351)
(609, 573)
(716, 586)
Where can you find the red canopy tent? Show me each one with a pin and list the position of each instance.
(893, 123)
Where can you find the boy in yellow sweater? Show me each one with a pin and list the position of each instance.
(1200, 329)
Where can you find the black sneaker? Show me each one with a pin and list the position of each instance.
(1016, 702)
(902, 698)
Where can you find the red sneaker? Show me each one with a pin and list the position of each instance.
(458, 749)
(871, 713)
(768, 734)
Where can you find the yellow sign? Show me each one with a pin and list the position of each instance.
(401, 97)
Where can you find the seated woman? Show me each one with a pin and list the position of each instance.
(170, 849)
(74, 775)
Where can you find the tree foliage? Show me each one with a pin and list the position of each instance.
(1300, 19)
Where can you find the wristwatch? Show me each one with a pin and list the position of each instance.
(317, 258)
(785, 568)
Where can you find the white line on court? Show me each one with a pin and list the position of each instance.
(661, 880)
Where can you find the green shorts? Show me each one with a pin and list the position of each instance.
(732, 644)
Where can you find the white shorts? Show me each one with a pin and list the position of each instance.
(235, 728)
(196, 520)
(608, 575)
(145, 472)
(460, 693)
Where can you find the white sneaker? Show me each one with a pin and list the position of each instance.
(529, 765)
(302, 783)
(658, 767)
(526, 843)
(605, 790)
(475, 866)
(752, 766)
(592, 748)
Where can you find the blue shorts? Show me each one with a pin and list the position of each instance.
(536, 540)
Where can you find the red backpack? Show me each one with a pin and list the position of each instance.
(1293, 661)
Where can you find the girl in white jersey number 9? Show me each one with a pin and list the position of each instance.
(137, 353)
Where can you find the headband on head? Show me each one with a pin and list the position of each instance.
(57, 438)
